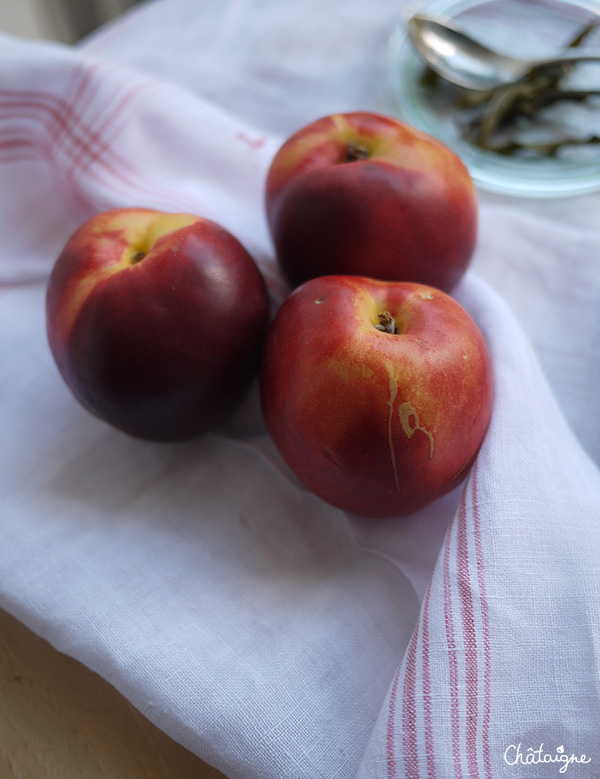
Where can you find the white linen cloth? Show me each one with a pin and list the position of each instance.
(271, 634)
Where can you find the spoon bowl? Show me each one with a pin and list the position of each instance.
(463, 61)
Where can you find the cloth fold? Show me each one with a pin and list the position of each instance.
(269, 633)
(505, 650)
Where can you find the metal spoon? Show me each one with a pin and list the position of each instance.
(467, 63)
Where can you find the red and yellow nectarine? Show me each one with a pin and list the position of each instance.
(156, 321)
(377, 394)
(364, 194)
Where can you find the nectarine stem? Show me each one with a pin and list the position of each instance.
(354, 152)
(387, 324)
(138, 257)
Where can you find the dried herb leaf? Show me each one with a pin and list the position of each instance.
(487, 119)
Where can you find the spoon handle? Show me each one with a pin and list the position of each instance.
(591, 55)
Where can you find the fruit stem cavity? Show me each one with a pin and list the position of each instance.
(355, 152)
(387, 324)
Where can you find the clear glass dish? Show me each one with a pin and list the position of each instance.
(525, 28)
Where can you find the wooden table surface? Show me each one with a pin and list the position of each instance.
(59, 720)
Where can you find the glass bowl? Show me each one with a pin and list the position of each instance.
(524, 28)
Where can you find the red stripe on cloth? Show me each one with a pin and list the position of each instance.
(392, 767)
(452, 662)
(409, 710)
(89, 148)
(487, 760)
(429, 741)
(19, 149)
(470, 640)
(409, 724)
(28, 147)
(64, 127)
(467, 608)
(45, 113)
(66, 118)
(124, 178)
(121, 99)
(56, 114)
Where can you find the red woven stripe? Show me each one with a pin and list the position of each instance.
(487, 760)
(453, 665)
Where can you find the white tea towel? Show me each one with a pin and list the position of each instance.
(268, 632)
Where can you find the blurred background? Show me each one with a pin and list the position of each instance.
(58, 20)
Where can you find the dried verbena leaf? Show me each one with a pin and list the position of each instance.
(500, 106)
(583, 34)
(551, 97)
(487, 118)
(548, 149)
